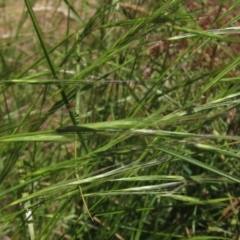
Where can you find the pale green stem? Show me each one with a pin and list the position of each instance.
(28, 213)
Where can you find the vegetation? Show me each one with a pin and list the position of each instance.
(119, 119)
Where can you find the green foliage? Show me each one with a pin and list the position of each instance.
(120, 120)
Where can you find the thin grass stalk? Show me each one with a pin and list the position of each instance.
(47, 56)
(77, 116)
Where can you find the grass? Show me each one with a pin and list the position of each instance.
(119, 120)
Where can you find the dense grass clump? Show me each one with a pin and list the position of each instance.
(119, 119)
